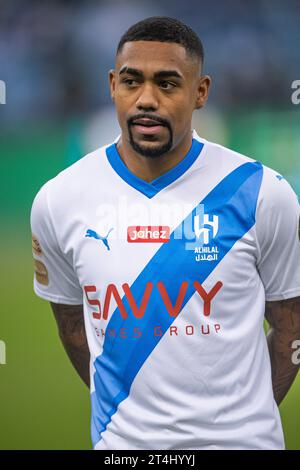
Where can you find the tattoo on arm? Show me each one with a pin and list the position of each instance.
(284, 320)
(70, 323)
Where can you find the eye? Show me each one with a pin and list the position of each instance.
(129, 81)
(167, 85)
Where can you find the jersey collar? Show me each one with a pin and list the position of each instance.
(152, 188)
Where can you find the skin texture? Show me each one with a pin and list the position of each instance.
(284, 320)
(172, 99)
(70, 323)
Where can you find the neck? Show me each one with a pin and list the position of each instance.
(147, 168)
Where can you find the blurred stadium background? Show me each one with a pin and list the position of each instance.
(54, 58)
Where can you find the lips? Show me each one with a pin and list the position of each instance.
(146, 122)
(147, 126)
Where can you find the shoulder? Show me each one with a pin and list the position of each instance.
(230, 154)
(275, 191)
(79, 173)
(74, 181)
(223, 154)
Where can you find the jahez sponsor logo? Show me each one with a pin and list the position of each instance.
(148, 234)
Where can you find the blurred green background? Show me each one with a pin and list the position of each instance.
(58, 109)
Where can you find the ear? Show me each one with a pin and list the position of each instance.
(203, 86)
(112, 83)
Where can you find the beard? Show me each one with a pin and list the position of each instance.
(151, 151)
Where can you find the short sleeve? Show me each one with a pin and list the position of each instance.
(54, 276)
(277, 228)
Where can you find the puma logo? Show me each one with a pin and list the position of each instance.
(92, 234)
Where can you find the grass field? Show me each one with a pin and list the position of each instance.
(43, 404)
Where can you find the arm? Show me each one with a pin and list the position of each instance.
(284, 320)
(70, 323)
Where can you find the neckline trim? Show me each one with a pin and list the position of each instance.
(156, 185)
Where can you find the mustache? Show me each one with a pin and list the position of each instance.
(162, 121)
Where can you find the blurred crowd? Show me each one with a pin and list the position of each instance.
(55, 54)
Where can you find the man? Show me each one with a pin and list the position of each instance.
(161, 253)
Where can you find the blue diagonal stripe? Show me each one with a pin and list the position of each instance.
(234, 201)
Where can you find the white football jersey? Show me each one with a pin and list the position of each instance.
(173, 276)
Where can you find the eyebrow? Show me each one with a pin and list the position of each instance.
(159, 74)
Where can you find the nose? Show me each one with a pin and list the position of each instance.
(147, 99)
